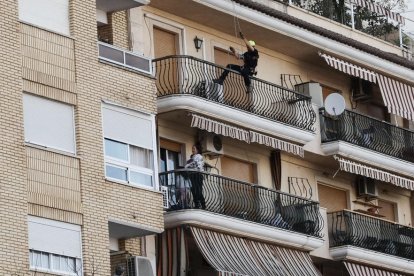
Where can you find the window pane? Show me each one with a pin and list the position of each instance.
(116, 172)
(45, 260)
(140, 178)
(116, 149)
(141, 157)
(56, 262)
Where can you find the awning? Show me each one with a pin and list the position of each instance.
(379, 10)
(276, 143)
(220, 128)
(360, 169)
(235, 256)
(362, 270)
(398, 97)
(349, 68)
(244, 135)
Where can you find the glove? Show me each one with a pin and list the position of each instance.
(241, 35)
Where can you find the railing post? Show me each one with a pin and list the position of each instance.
(352, 16)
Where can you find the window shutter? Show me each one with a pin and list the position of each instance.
(49, 14)
(128, 127)
(49, 123)
(54, 237)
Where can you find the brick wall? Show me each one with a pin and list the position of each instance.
(103, 200)
(13, 199)
(116, 31)
(32, 180)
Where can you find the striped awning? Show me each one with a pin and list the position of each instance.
(360, 169)
(349, 68)
(235, 256)
(379, 10)
(276, 143)
(220, 128)
(362, 270)
(398, 97)
(244, 135)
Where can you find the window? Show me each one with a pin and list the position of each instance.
(49, 123)
(49, 252)
(170, 155)
(55, 19)
(129, 143)
(54, 263)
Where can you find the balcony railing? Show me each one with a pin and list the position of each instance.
(242, 200)
(192, 76)
(369, 133)
(353, 16)
(349, 228)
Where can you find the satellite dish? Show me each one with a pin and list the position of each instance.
(335, 104)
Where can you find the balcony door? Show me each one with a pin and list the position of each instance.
(238, 169)
(233, 88)
(387, 209)
(166, 43)
(331, 198)
(239, 198)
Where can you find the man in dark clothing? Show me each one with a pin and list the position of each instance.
(248, 69)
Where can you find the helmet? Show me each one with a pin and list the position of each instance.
(252, 43)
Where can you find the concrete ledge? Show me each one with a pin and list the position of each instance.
(242, 228)
(367, 156)
(231, 115)
(370, 257)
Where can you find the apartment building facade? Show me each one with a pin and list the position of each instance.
(78, 177)
(105, 100)
(291, 188)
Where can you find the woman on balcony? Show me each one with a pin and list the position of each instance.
(196, 162)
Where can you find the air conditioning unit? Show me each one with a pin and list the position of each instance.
(212, 145)
(366, 187)
(139, 266)
(165, 197)
(361, 90)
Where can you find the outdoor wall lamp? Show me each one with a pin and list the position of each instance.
(198, 42)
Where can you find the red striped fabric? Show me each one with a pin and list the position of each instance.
(362, 270)
(379, 10)
(398, 97)
(234, 256)
(171, 246)
(349, 68)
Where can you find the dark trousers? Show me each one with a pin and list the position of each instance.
(245, 72)
(197, 189)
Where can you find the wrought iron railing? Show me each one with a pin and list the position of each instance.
(350, 228)
(369, 133)
(353, 16)
(192, 76)
(237, 199)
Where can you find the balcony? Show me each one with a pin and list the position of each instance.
(186, 75)
(369, 133)
(127, 59)
(350, 15)
(243, 201)
(352, 229)
(119, 5)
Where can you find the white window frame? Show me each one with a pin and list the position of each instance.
(54, 271)
(121, 163)
(64, 226)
